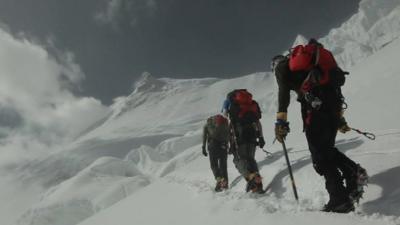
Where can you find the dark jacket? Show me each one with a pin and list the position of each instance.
(287, 80)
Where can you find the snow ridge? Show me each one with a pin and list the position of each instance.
(376, 24)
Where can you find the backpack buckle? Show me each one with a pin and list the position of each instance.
(314, 101)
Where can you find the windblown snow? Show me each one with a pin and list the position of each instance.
(142, 163)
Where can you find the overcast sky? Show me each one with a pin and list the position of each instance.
(114, 41)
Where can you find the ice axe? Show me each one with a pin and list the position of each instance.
(290, 171)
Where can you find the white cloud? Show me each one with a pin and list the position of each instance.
(111, 12)
(130, 11)
(36, 104)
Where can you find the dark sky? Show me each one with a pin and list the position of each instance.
(114, 41)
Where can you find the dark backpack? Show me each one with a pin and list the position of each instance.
(243, 109)
(218, 128)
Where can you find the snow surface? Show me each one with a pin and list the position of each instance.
(185, 196)
(142, 163)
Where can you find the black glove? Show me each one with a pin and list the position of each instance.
(261, 142)
(204, 150)
(281, 130)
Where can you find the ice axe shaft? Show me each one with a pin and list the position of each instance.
(290, 171)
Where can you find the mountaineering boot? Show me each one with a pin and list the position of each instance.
(345, 206)
(217, 185)
(222, 184)
(254, 183)
(357, 183)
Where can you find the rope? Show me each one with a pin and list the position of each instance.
(368, 135)
(266, 152)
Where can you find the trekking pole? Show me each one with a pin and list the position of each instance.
(368, 135)
(290, 171)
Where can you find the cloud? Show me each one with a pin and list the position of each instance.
(118, 12)
(37, 108)
(111, 12)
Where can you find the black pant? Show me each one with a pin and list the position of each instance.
(218, 159)
(244, 159)
(321, 130)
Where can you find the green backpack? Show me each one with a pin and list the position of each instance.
(218, 128)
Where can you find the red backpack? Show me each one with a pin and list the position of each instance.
(243, 108)
(307, 57)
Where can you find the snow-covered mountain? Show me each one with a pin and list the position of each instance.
(141, 164)
(375, 25)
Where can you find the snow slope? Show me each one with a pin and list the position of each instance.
(185, 195)
(135, 133)
(144, 158)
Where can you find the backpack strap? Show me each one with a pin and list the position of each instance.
(316, 56)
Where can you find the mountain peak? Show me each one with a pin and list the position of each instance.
(147, 82)
(300, 40)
